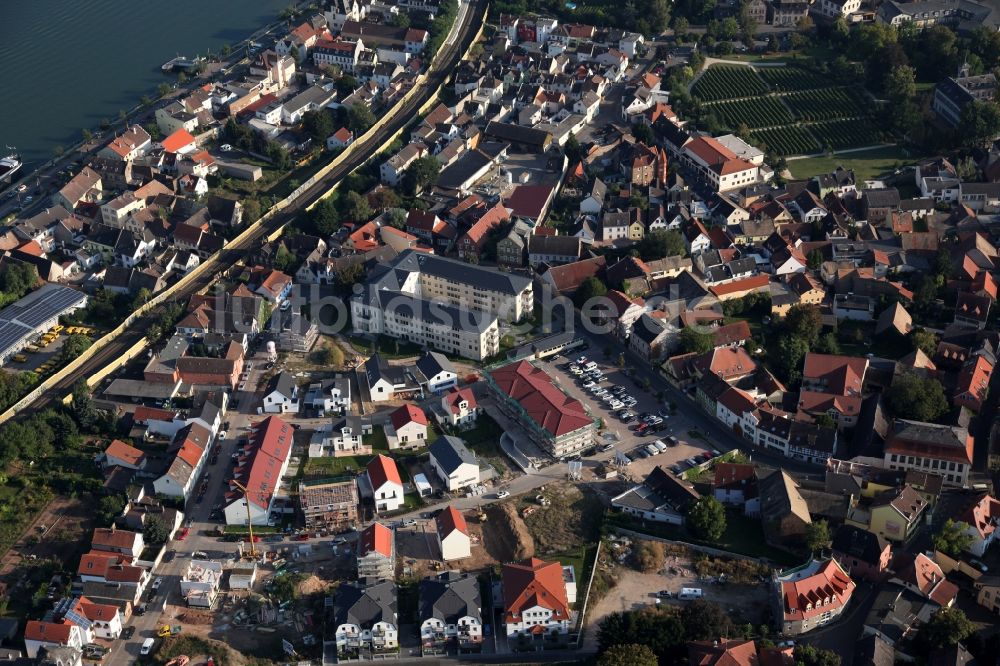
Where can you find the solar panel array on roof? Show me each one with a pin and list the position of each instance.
(22, 319)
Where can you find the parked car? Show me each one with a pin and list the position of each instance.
(606, 448)
(664, 594)
(581, 361)
(677, 470)
(147, 646)
(660, 445)
(182, 533)
(128, 633)
(503, 494)
(157, 582)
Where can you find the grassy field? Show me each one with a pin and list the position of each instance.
(867, 164)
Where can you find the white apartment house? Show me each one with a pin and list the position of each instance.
(441, 303)
(385, 482)
(454, 463)
(393, 168)
(929, 447)
(452, 612)
(718, 166)
(536, 597)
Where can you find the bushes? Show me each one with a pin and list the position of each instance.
(650, 556)
(722, 82)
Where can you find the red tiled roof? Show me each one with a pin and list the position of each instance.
(570, 276)
(756, 282)
(450, 520)
(927, 576)
(549, 407)
(730, 334)
(733, 475)
(143, 414)
(408, 414)
(528, 200)
(457, 395)
(381, 470)
(48, 632)
(828, 588)
(842, 375)
(726, 362)
(365, 238)
(983, 515)
(973, 382)
(271, 442)
(531, 583)
(113, 538)
(376, 538)
(124, 452)
(737, 401)
(736, 652)
(177, 140)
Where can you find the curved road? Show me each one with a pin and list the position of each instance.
(451, 52)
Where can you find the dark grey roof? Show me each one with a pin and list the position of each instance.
(364, 606)
(858, 543)
(672, 490)
(451, 452)
(813, 437)
(431, 363)
(567, 246)
(517, 133)
(22, 319)
(376, 368)
(881, 198)
(482, 277)
(461, 170)
(874, 651)
(450, 596)
(648, 328)
(896, 610)
(283, 383)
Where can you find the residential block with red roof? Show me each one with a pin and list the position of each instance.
(121, 542)
(536, 597)
(718, 167)
(557, 422)
(452, 535)
(377, 552)
(833, 385)
(982, 517)
(407, 428)
(737, 652)
(460, 407)
(385, 483)
(259, 469)
(124, 455)
(811, 595)
(188, 450)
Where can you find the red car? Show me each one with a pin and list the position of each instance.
(256, 539)
(302, 537)
(182, 534)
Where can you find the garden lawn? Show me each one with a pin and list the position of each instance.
(867, 164)
(328, 466)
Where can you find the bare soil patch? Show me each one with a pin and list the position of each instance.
(506, 537)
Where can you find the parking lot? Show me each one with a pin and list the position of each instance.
(628, 437)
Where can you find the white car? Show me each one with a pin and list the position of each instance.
(616, 404)
(227, 147)
(589, 384)
(147, 646)
(503, 494)
(157, 582)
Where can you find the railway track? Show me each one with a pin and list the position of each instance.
(402, 115)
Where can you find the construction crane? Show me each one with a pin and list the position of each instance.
(246, 500)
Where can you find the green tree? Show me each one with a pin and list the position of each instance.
(660, 244)
(73, 346)
(824, 420)
(422, 173)
(318, 124)
(156, 531)
(805, 322)
(706, 518)
(704, 620)
(953, 538)
(791, 352)
(396, 217)
(815, 259)
(284, 260)
(979, 123)
(163, 89)
(251, 211)
(658, 629)
(901, 90)
(694, 341)
(572, 149)
(591, 288)
(346, 84)
(924, 340)
(110, 507)
(947, 626)
(643, 133)
(88, 136)
(325, 217)
(913, 396)
(83, 405)
(631, 654)
(356, 207)
(383, 199)
(807, 655)
(360, 118)
(817, 535)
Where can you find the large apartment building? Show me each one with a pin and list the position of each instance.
(558, 423)
(442, 304)
(929, 447)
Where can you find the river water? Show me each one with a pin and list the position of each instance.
(68, 64)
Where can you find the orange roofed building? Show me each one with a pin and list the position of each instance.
(536, 597)
(259, 469)
(832, 385)
(737, 652)
(558, 423)
(377, 552)
(811, 595)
